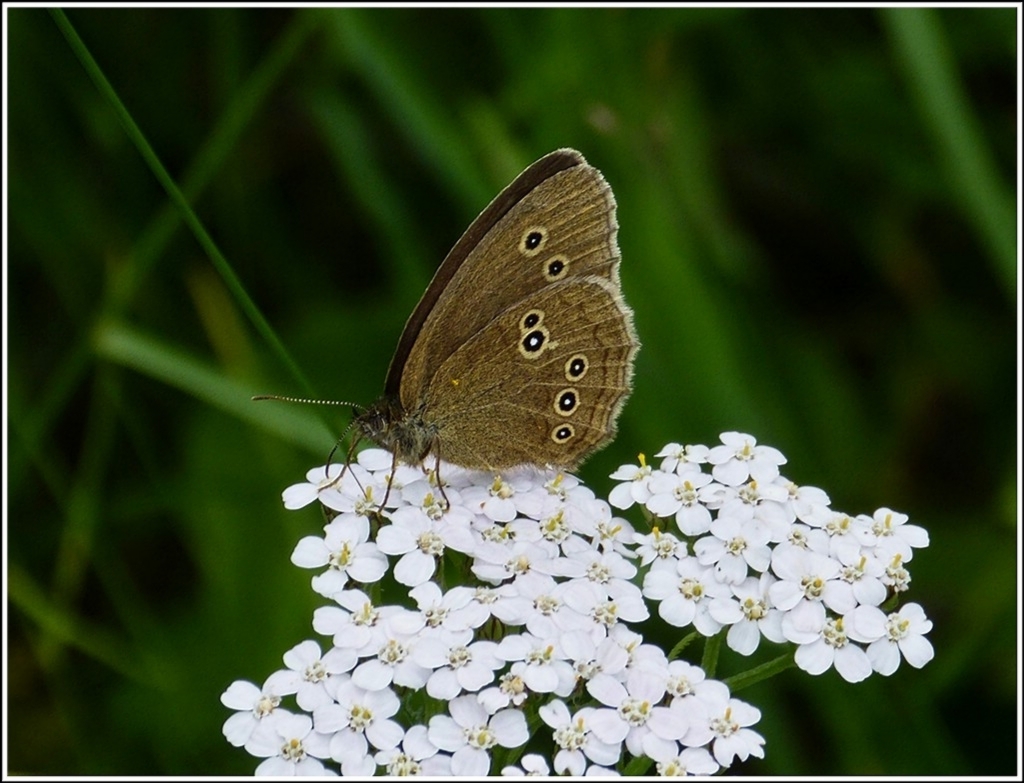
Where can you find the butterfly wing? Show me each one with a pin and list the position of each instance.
(555, 222)
(542, 383)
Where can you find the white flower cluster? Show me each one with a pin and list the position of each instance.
(547, 581)
(772, 559)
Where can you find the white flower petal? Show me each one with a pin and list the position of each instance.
(384, 734)
(240, 695)
(608, 727)
(917, 650)
(239, 728)
(299, 495)
(445, 733)
(372, 675)
(814, 658)
(471, 763)
(510, 728)
(275, 767)
(414, 568)
(310, 552)
(467, 712)
(852, 663)
(443, 684)
(884, 657)
(743, 637)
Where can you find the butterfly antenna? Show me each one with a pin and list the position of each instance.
(282, 398)
(339, 441)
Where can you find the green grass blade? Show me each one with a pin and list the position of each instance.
(157, 359)
(931, 74)
(179, 200)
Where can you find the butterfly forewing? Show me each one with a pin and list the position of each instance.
(563, 227)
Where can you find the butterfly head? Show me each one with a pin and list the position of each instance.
(406, 434)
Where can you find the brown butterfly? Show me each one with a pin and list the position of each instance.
(521, 350)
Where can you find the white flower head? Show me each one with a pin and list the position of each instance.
(677, 457)
(734, 545)
(575, 741)
(469, 733)
(254, 704)
(531, 765)
(749, 613)
(825, 642)
(691, 761)
(415, 756)
(310, 671)
(683, 496)
(355, 719)
(685, 595)
(635, 489)
(723, 721)
(896, 537)
(347, 552)
(739, 458)
(388, 658)
(457, 663)
(540, 662)
(890, 635)
(632, 711)
(289, 746)
(808, 577)
(659, 549)
(565, 583)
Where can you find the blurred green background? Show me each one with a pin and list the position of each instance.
(818, 231)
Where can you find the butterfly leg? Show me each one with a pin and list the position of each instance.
(437, 475)
(391, 478)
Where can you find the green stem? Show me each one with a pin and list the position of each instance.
(712, 647)
(682, 644)
(745, 679)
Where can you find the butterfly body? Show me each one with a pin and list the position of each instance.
(406, 434)
(521, 350)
